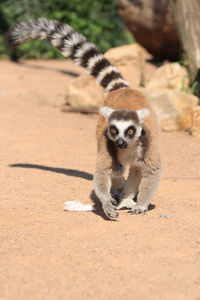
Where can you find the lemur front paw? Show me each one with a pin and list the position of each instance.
(110, 209)
(138, 210)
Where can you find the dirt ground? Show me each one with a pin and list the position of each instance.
(48, 157)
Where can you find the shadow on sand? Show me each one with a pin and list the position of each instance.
(65, 72)
(69, 172)
(75, 173)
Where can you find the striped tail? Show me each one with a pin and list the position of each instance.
(71, 44)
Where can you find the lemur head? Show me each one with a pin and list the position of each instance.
(124, 126)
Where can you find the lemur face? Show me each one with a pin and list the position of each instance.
(121, 132)
(124, 126)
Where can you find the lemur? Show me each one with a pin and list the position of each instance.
(127, 131)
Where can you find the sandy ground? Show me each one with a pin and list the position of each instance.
(48, 157)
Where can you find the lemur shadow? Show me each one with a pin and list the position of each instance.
(98, 210)
(65, 72)
(69, 172)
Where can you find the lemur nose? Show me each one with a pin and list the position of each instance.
(121, 143)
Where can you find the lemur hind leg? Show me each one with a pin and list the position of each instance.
(131, 189)
(117, 186)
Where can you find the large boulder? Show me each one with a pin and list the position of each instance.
(83, 95)
(174, 109)
(153, 26)
(131, 60)
(127, 53)
(170, 76)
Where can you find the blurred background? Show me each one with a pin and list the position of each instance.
(99, 21)
(159, 26)
(154, 43)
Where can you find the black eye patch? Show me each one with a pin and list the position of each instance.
(130, 131)
(113, 130)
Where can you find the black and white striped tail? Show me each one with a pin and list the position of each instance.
(71, 44)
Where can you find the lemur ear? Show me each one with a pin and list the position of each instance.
(106, 111)
(142, 114)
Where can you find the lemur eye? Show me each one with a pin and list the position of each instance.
(113, 131)
(130, 131)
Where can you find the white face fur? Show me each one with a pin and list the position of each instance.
(123, 130)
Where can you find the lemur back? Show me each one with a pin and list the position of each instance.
(127, 132)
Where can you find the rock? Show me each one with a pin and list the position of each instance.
(173, 108)
(195, 128)
(165, 216)
(83, 94)
(127, 54)
(131, 60)
(153, 26)
(170, 75)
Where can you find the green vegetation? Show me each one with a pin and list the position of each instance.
(97, 20)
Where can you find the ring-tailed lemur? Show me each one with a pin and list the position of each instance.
(127, 132)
